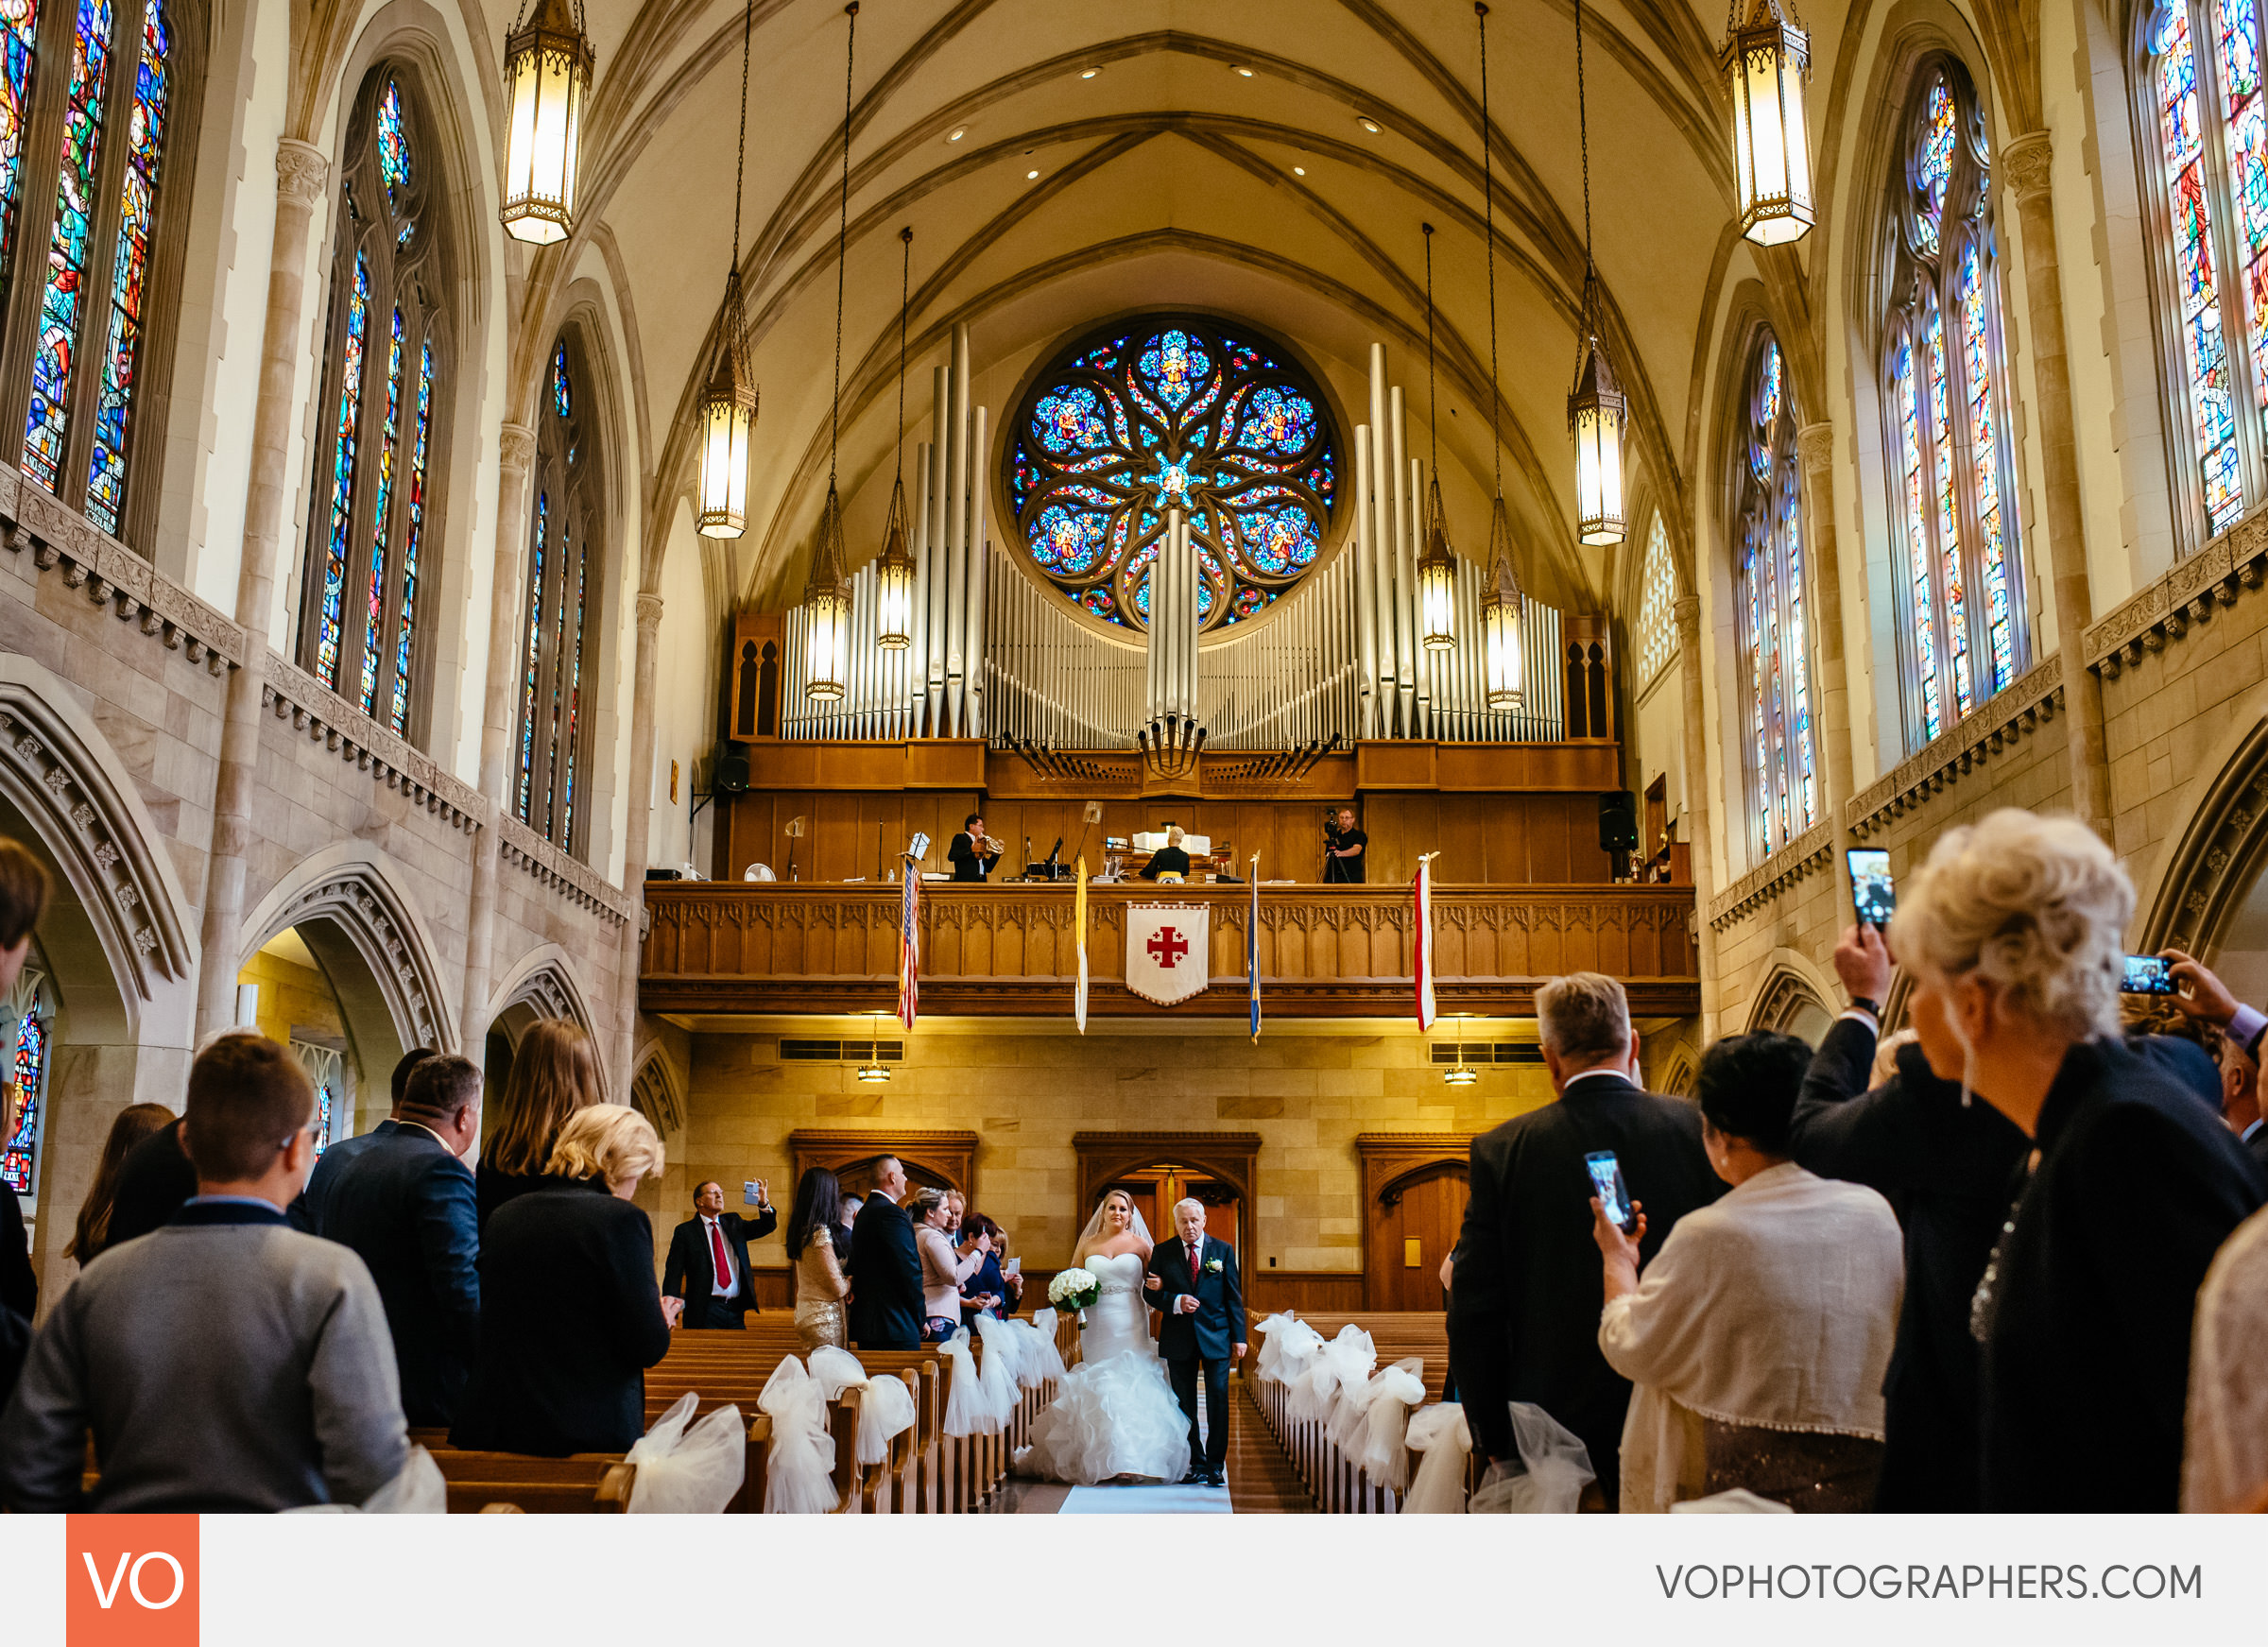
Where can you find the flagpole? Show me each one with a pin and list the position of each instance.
(1252, 947)
(1422, 941)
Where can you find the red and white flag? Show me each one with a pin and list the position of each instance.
(1421, 963)
(909, 942)
(1168, 953)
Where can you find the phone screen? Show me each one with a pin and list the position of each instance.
(1606, 1182)
(1871, 891)
(2147, 975)
(747, 1192)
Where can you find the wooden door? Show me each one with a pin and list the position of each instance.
(1416, 1224)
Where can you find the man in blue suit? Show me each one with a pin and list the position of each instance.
(405, 1202)
(303, 1212)
(1193, 1280)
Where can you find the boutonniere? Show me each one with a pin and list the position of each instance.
(1213, 1266)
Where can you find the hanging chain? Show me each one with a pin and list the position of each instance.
(842, 239)
(1582, 131)
(1432, 401)
(740, 166)
(905, 288)
(1488, 200)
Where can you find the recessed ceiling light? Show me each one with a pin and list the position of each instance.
(956, 134)
(1242, 70)
(1029, 175)
(1088, 74)
(1367, 123)
(1298, 171)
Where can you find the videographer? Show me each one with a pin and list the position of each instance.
(1344, 847)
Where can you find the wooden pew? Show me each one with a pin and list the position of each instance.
(1340, 1484)
(585, 1482)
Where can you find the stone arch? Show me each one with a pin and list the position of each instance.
(542, 985)
(1796, 998)
(2219, 857)
(657, 1093)
(373, 946)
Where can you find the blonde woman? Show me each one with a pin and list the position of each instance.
(554, 1074)
(569, 1313)
(943, 1270)
(2013, 933)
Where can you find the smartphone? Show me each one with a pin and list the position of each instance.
(1606, 1182)
(1871, 891)
(747, 1192)
(2147, 975)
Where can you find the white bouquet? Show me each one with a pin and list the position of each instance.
(1074, 1289)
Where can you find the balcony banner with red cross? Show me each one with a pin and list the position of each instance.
(1167, 960)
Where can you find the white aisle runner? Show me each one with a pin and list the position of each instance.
(1146, 1501)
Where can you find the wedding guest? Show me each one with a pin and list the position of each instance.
(155, 1181)
(225, 1362)
(2225, 1459)
(984, 1289)
(306, 1213)
(2203, 995)
(23, 896)
(846, 1224)
(943, 1270)
(1523, 1317)
(404, 1204)
(2013, 934)
(1886, 1050)
(706, 1282)
(1762, 1328)
(554, 1074)
(570, 1314)
(128, 1127)
(813, 1227)
(885, 1270)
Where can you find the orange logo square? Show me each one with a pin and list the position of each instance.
(131, 1581)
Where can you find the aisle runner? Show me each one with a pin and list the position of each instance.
(1138, 1501)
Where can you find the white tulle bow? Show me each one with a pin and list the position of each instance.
(1439, 1432)
(690, 1471)
(1287, 1345)
(799, 1468)
(1003, 1362)
(1345, 1360)
(967, 1410)
(1393, 1393)
(1043, 1362)
(887, 1406)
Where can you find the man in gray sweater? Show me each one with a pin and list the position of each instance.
(225, 1361)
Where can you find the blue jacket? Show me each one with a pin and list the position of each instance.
(305, 1212)
(404, 1204)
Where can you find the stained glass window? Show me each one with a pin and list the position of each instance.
(129, 273)
(561, 616)
(1656, 601)
(2205, 212)
(1173, 411)
(35, 1023)
(1783, 781)
(325, 1104)
(372, 536)
(62, 307)
(1958, 593)
(19, 31)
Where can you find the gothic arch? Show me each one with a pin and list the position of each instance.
(350, 899)
(656, 1092)
(1794, 998)
(60, 771)
(542, 985)
(2220, 856)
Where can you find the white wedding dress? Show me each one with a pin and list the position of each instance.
(1114, 1413)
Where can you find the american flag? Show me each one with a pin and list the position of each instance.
(1421, 962)
(909, 942)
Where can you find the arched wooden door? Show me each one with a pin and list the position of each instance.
(1414, 1187)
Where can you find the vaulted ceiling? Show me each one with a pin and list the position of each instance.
(1184, 152)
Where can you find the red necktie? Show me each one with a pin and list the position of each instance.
(723, 1258)
(1192, 1268)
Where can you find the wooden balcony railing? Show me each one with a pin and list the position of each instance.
(1325, 952)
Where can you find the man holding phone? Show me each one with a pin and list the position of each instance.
(1523, 1314)
(2201, 994)
(706, 1282)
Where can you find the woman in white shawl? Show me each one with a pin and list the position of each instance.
(1760, 1334)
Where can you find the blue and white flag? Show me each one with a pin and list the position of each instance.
(1252, 946)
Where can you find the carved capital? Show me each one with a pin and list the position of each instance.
(517, 441)
(301, 172)
(1686, 609)
(649, 615)
(2025, 163)
(1816, 444)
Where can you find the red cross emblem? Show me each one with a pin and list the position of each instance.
(1167, 947)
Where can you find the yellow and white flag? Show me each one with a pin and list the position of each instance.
(1079, 925)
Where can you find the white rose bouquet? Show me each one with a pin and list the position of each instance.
(1074, 1289)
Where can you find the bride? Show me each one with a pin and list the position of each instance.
(1115, 1415)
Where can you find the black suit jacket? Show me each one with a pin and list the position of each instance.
(886, 1304)
(569, 1318)
(403, 1203)
(1217, 1324)
(968, 863)
(1523, 1314)
(2258, 1144)
(153, 1182)
(691, 1271)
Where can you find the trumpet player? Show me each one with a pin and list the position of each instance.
(973, 852)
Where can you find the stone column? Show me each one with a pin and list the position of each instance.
(517, 446)
(1691, 662)
(638, 785)
(302, 173)
(1816, 444)
(2026, 165)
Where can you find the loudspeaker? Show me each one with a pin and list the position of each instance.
(1617, 821)
(729, 773)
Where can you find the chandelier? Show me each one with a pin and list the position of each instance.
(1766, 60)
(548, 65)
(728, 401)
(1595, 409)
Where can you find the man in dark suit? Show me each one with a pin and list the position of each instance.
(405, 1202)
(303, 1213)
(971, 853)
(2202, 995)
(886, 1304)
(1193, 1280)
(1523, 1310)
(706, 1282)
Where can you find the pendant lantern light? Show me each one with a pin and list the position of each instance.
(1766, 60)
(1595, 409)
(548, 65)
(826, 596)
(1502, 603)
(894, 572)
(728, 401)
(1438, 566)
